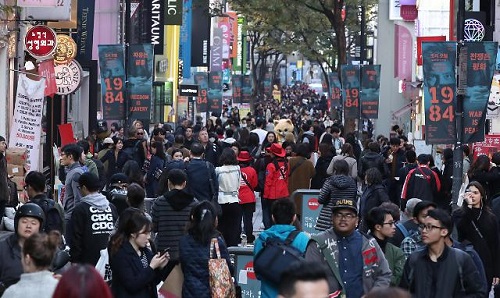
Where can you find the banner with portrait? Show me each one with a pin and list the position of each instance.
(481, 58)
(335, 89)
(140, 81)
(112, 69)
(350, 90)
(439, 60)
(201, 79)
(370, 91)
(215, 92)
(246, 89)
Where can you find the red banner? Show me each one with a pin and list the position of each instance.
(46, 69)
(490, 145)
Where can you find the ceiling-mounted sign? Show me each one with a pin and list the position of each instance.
(40, 41)
(66, 49)
(68, 77)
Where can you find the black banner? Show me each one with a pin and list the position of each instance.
(200, 41)
(246, 89)
(237, 88)
(173, 12)
(350, 86)
(370, 91)
(155, 33)
(85, 30)
(201, 79)
(215, 91)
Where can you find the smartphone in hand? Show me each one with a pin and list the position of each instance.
(163, 252)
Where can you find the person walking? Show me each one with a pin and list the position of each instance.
(246, 193)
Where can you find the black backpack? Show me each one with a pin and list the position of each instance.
(54, 215)
(133, 152)
(275, 257)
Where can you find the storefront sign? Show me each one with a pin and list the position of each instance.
(66, 49)
(350, 87)
(439, 91)
(40, 41)
(188, 90)
(490, 145)
(68, 77)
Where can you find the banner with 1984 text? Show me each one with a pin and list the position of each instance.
(350, 88)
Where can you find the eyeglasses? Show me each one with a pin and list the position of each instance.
(472, 191)
(140, 133)
(429, 227)
(339, 215)
(26, 187)
(391, 223)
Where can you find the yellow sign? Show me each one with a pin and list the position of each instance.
(66, 49)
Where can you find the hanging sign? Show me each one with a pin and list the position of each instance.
(370, 91)
(66, 49)
(40, 41)
(68, 77)
(350, 86)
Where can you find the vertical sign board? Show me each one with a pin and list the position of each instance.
(201, 79)
(140, 81)
(481, 57)
(439, 91)
(185, 40)
(267, 83)
(246, 89)
(370, 91)
(237, 80)
(335, 89)
(215, 92)
(200, 41)
(216, 50)
(350, 86)
(85, 29)
(112, 69)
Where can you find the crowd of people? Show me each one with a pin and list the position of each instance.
(386, 218)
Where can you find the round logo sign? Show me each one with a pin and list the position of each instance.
(66, 49)
(249, 269)
(68, 77)
(40, 41)
(313, 204)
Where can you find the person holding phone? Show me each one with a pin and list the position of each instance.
(136, 269)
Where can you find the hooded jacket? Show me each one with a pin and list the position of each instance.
(92, 222)
(372, 160)
(335, 188)
(170, 213)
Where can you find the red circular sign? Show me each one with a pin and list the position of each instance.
(313, 204)
(249, 269)
(40, 41)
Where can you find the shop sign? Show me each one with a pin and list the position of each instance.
(66, 49)
(68, 77)
(40, 41)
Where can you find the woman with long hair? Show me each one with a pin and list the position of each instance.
(115, 157)
(326, 153)
(37, 255)
(270, 139)
(90, 283)
(373, 195)
(347, 154)
(195, 250)
(478, 225)
(156, 165)
(228, 176)
(136, 270)
(479, 171)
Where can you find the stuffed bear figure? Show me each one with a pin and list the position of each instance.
(281, 128)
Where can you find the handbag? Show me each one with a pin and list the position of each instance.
(103, 267)
(172, 287)
(221, 281)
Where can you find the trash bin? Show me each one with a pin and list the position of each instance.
(242, 258)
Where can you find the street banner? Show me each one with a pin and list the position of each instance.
(46, 69)
(370, 91)
(335, 91)
(439, 91)
(155, 16)
(267, 83)
(481, 58)
(324, 84)
(112, 69)
(140, 81)
(225, 24)
(26, 128)
(215, 92)
(488, 146)
(201, 79)
(173, 11)
(200, 40)
(84, 36)
(350, 87)
(185, 40)
(216, 50)
(237, 81)
(246, 89)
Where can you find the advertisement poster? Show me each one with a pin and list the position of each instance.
(246, 89)
(480, 69)
(140, 78)
(112, 69)
(370, 91)
(201, 79)
(439, 91)
(490, 145)
(185, 40)
(267, 83)
(350, 90)
(27, 120)
(335, 89)
(215, 92)
(237, 80)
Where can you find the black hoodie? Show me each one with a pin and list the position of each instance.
(170, 215)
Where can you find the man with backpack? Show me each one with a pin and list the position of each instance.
(439, 270)
(284, 233)
(357, 263)
(421, 182)
(135, 146)
(34, 184)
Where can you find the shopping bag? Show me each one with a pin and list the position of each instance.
(172, 287)
(221, 282)
(103, 267)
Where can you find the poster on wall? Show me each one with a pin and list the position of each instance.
(140, 81)
(350, 90)
(439, 91)
(370, 91)
(112, 69)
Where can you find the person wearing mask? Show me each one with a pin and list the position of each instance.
(276, 181)
(28, 220)
(92, 222)
(395, 160)
(37, 254)
(382, 227)
(136, 269)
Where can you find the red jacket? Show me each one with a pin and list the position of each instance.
(276, 185)
(246, 194)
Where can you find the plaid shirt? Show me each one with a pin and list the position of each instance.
(412, 243)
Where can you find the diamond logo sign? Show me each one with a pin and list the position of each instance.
(473, 30)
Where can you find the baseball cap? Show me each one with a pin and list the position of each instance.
(345, 204)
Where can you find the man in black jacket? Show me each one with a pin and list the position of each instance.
(439, 270)
(210, 149)
(202, 181)
(372, 159)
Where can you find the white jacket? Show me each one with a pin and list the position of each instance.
(229, 183)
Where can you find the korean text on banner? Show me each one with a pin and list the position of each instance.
(370, 91)
(439, 91)
(237, 88)
(335, 89)
(46, 69)
(201, 79)
(215, 91)
(27, 121)
(246, 89)
(481, 57)
(140, 77)
(112, 68)
(350, 86)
